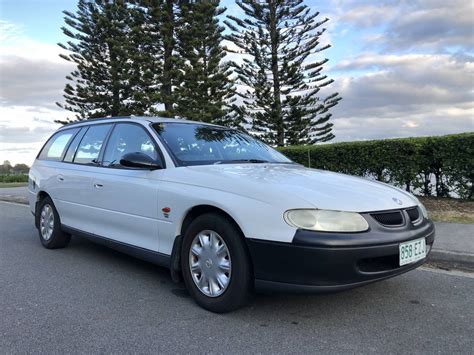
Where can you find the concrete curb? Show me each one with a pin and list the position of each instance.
(452, 259)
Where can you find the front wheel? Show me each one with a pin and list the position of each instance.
(49, 226)
(215, 264)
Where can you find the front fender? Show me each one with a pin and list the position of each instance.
(257, 219)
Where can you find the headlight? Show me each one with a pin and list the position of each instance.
(423, 209)
(327, 221)
(424, 212)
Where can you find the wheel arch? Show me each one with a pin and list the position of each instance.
(40, 196)
(199, 210)
(189, 216)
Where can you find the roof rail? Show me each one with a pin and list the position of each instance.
(95, 120)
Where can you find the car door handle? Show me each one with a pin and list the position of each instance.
(60, 178)
(98, 185)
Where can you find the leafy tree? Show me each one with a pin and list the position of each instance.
(6, 167)
(20, 169)
(205, 91)
(279, 39)
(107, 47)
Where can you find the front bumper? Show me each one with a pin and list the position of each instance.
(319, 262)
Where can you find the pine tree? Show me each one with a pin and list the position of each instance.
(205, 89)
(162, 20)
(280, 39)
(106, 46)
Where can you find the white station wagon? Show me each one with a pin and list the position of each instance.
(222, 210)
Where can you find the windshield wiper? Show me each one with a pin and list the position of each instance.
(253, 161)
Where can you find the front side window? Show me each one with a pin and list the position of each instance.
(198, 144)
(89, 148)
(128, 138)
(56, 145)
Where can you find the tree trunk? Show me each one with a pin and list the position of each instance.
(426, 184)
(438, 183)
(277, 113)
(115, 107)
(168, 44)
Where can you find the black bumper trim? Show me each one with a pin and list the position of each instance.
(284, 287)
(320, 266)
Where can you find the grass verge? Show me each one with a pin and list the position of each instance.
(12, 184)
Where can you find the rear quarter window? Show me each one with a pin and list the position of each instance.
(71, 151)
(55, 147)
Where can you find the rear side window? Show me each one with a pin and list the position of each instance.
(56, 145)
(89, 148)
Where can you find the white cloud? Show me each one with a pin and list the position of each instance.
(417, 78)
(405, 80)
(31, 81)
(31, 72)
(434, 25)
(404, 95)
(368, 14)
(23, 130)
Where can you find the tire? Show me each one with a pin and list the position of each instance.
(49, 226)
(231, 290)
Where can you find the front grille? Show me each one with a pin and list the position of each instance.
(389, 218)
(413, 214)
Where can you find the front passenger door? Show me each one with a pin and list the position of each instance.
(127, 198)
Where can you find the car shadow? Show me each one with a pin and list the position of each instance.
(111, 256)
(295, 307)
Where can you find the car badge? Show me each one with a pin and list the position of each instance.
(397, 200)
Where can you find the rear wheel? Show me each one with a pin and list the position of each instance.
(49, 226)
(215, 264)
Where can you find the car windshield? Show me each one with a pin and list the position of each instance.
(198, 144)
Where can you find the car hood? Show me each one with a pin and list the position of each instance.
(295, 186)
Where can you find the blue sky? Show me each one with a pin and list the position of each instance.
(39, 19)
(403, 68)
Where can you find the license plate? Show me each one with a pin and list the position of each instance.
(412, 251)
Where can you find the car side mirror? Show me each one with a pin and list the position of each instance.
(140, 160)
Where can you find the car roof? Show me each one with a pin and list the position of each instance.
(150, 119)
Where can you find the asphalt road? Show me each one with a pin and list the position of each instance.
(89, 299)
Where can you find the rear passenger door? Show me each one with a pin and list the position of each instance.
(47, 170)
(80, 165)
(125, 199)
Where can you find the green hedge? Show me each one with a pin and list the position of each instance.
(14, 178)
(430, 166)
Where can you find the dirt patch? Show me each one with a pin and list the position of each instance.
(449, 209)
(16, 199)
